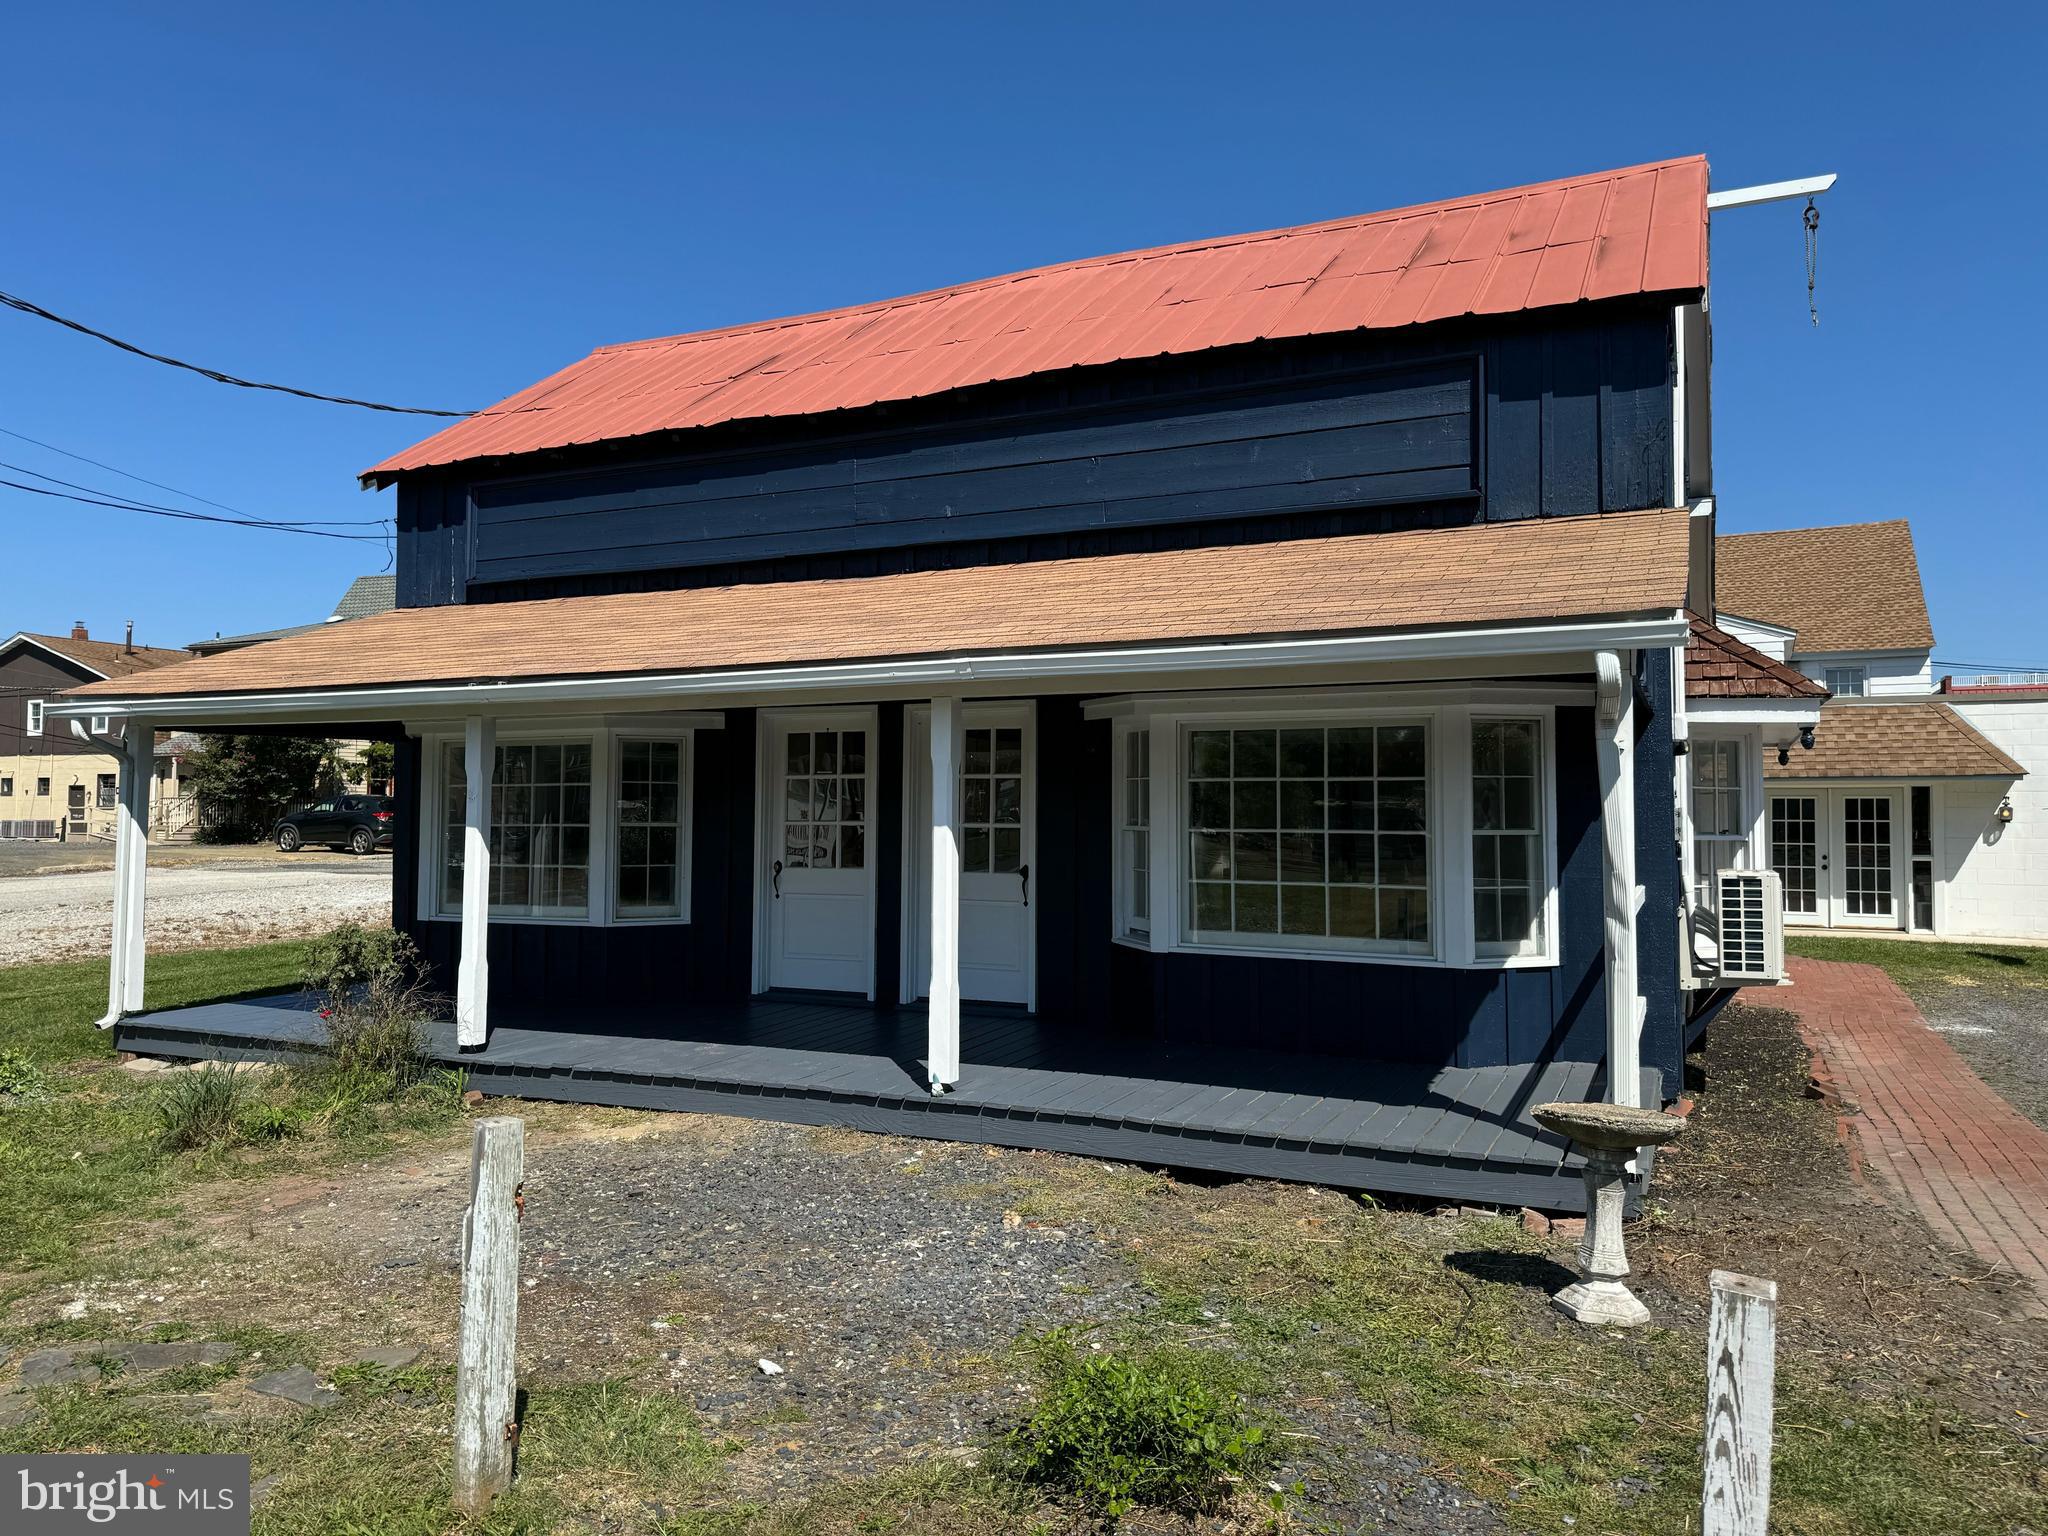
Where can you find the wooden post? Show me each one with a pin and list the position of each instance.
(1742, 1340)
(942, 1053)
(131, 861)
(1614, 755)
(486, 1364)
(473, 972)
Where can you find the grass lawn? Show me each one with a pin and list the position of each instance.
(1917, 966)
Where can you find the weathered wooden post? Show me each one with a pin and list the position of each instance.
(486, 1430)
(1742, 1341)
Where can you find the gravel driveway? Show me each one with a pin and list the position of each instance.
(67, 917)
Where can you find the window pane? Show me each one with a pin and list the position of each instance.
(853, 753)
(1006, 853)
(977, 758)
(852, 848)
(825, 752)
(799, 752)
(974, 850)
(1292, 829)
(1009, 750)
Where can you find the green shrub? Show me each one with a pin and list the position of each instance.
(201, 1108)
(20, 1078)
(272, 1122)
(1118, 1433)
(376, 1011)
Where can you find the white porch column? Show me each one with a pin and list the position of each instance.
(943, 1048)
(1614, 747)
(473, 975)
(131, 862)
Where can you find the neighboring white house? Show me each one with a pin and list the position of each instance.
(1912, 810)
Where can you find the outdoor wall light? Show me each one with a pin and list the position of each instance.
(2004, 811)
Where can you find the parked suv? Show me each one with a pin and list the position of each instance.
(359, 823)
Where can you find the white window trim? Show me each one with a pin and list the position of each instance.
(1449, 725)
(33, 724)
(98, 725)
(1861, 674)
(604, 831)
(1129, 928)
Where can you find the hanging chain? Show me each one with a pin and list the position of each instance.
(1812, 222)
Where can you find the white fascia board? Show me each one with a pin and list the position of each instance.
(1143, 706)
(1788, 712)
(1723, 620)
(943, 674)
(50, 650)
(1770, 192)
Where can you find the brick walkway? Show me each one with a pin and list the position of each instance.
(1973, 1167)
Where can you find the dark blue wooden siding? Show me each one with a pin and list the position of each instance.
(1536, 417)
(1085, 981)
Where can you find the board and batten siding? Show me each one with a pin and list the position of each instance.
(642, 980)
(1447, 424)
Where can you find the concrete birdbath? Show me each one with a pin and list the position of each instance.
(1609, 1135)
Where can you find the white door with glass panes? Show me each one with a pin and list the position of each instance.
(819, 874)
(995, 853)
(1838, 857)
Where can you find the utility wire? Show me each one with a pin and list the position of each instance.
(186, 515)
(13, 301)
(240, 517)
(159, 485)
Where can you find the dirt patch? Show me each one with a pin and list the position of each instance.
(2001, 1032)
(1763, 1183)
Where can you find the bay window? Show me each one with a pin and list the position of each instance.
(584, 829)
(1134, 835)
(1510, 877)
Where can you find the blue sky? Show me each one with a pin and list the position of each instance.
(436, 205)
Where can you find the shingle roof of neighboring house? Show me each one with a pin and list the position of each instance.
(1638, 230)
(1719, 666)
(367, 595)
(1854, 587)
(1620, 564)
(1912, 739)
(109, 658)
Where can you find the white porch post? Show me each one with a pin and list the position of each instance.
(1614, 747)
(943, 1047)
(131, 862)
(473, 975)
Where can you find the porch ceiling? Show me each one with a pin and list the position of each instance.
(1570, 569)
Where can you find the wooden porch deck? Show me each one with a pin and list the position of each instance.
(1447, 1133)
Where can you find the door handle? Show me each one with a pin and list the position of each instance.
(1024, 874)
(775, 879)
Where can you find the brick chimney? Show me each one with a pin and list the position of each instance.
(78, 630)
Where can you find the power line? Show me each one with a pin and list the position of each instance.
(14, 302)
(239, 516)
(1993, 666)
(183, 514)
(157, 484)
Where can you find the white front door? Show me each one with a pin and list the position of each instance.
(1865, 889)
(818, 780)
(997, 805)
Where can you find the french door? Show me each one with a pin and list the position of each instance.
(1837, 856)
(818, 873)
(996, 829)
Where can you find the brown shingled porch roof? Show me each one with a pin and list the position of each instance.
(1620, 565)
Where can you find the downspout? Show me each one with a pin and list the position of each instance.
(1614, 747)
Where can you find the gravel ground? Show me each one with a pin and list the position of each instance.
(2003, 1035)
(67, 917)
(887, 1280)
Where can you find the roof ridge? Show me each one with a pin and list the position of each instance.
(1150, 252)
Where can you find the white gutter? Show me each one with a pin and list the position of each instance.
(952, 674)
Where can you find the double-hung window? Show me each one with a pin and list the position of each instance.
(1308, 837)
(1846, 682)
(1134, 834)
(35, 717)
(1720, 821)
(584, 829)
(1510, 863)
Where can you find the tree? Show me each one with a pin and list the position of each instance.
(244, 783)
(380, 761)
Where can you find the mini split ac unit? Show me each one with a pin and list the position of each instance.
(1751, 907)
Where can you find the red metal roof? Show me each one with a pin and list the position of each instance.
(1638, 230)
